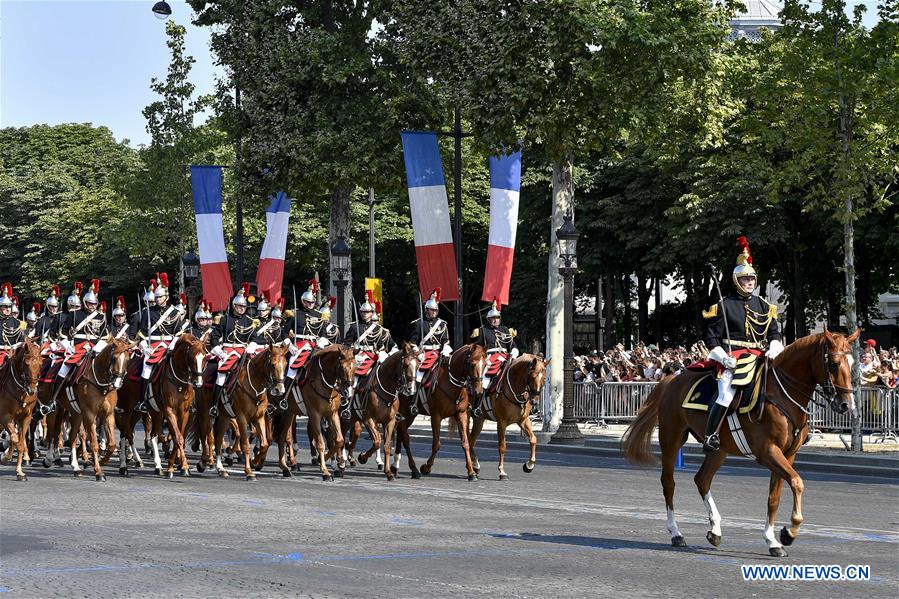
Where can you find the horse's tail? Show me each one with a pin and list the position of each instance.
(636, 439)
(453, 426)
(195, 426)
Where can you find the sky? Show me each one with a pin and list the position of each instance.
(66, 61)
(90, 61)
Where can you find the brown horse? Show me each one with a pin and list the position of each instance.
(456, 379)
(391, 384)
(96, 394)
(182, 373)
(774, 439)
(18, 389)
(259, 373)
(127, 417)
(330, 376)
(521, 383)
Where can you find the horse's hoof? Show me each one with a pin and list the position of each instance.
(477, 470)
(393, 469)
(472, 477)
(504, 476)
(285, 472)
(21, 477)
(257, 467)
(123, 471)
(26, 463)
(527, 468)
(201, 467)
(170, 475)
(338, 473)
(57, 462)
(362, 459)
(416, 474)
(229, 461)
(295, 467)
(352, 463)
(389, 477)
(425, 470)
(327, 478)
(678, 541)
(714, 539)
(785, 537)
(77, 473)
(777, 551)
(223, 474)
(101, 478)
(251, 477)
(47, 463)
(185, 472)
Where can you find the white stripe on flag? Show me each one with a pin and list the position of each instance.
(275, 245)
(430, 215)
(503, 217)
(210, 238)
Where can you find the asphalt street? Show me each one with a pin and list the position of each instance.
(577, 526)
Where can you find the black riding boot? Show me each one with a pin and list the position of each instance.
(716, 414)
(57, 387)
(218, 392)
(476, 411)
(141, 405)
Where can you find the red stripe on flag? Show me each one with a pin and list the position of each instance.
(498, 274)
(437, 268)
(270, 276)
(217, 288)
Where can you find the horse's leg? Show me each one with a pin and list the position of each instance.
(462, 420)
(670, 442)
(703, 480)
(245, 445)
(404, 438)
(501, 445)
(264, 441)
(178, 426)
(72, 442)
(339, 441)
(473, 435)
(108, 423)
(90, 428)
(525, 425)
(388, 445)
(221, 424)
(283, 436)
(314, 428)
(24, 425)
(156, 432)
(435, 444)
(783, 467)
(775, 547)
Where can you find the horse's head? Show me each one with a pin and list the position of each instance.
(408, 369)
(837, 366)
(119, 354)
(475, 367)
(277, 368)
(346, 366)
(27, 361)
(195, 352)
(536, 376)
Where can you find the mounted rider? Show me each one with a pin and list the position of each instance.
(331, 331)
(12, 330)
(372, 342)
(119, 326)
(157, 327)
(431, 335)
(46, 330)
(235, 339)
(310, 329)
(271, 328)
(744, 324)
(499, 341)
(81, 331)
(31, 318)
(202, 324)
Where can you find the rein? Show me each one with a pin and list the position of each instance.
(519, 398)
(271, 377)
(111, 376)
(20, 385)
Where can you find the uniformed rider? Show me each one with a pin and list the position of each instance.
(82, 330)
(12, 330)
(499, 341)
(431, 335)
(373, 342)
(331, 331)
(235, 338)
(119, 326)
(309, 330)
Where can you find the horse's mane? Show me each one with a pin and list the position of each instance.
(798, 346)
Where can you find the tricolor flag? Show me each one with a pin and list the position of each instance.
(270, 275)
(505, 184)
(430, 215)
(206, 182)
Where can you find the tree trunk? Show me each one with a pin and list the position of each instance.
(658, 312)
(610, 312)
(643, 294)
(563, 200)
(625, 283)
(339, 226)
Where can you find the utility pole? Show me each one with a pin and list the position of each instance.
(371, 232)
(458, 330)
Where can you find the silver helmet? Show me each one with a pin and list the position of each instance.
(263, 305)
(93, 293)
(32, 315)
(744, 266)
(241, 298)
(53, 299)
(119, 309)
(162, 285)
(6, 295)
(74, 300)
(309, 295)
(325, 308)
(15, 306)
(276, 311)
(494, 312)
(433, 302)
(202, 310)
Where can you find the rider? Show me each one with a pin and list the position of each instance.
(372, 341)
(235, 338)
(11, 328)
(499, 341)
(432, 337)
(203, 323)
(31, 318)
(81, 332)
(156, 326)
(309, 328)
(270, 329)
(119, 328)
(745, 324)
(331, 331)
(46, 331)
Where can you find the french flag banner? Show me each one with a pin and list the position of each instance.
(430, 215)
(505, 185)
(270, 275)
(206, 182)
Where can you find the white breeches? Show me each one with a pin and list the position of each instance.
(725, 388)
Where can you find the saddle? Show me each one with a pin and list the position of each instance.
(209, 373)
(499, 373)
(704, 391)
(49, 369)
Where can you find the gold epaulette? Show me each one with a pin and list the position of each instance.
(217, 319)
(513, 332)
(772, 310)
(475, 333)
(712, 312)
(23, 325)
(288, 313)
(255, 322)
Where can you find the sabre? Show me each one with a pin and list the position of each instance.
(723, 313)
(294, 288)
(421, 320)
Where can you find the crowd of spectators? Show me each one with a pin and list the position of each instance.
(649, 363)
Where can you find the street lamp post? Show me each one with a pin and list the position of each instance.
(567, 237)
(191, 268)
(342, 261)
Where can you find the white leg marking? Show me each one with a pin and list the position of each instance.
(74, 459)
(378, 458)
(714, 516)
(157, 463)
(397, 459)
(672, 525)
(770, 537)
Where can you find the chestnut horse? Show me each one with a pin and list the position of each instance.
(182, 374)
(258, 373)
(774, 439)
(18, 394)
(126, 419)
(391, 384)
(456, 380)
(96, 394)
(521, 383)
(331, 372)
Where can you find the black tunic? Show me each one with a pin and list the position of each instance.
(435, 341)
(751, 322)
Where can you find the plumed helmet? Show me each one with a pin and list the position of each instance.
(162, 285)
(93, 293)
(494, 312)
(119, 309)
(103, 307)
(278, 309)
(264, 304)
(53, 298)
(433, 302)
(182, 303)
(309, 295)
(369, 304)
(6, 295)
(148, 293)
(15, 306)
(31, 317)
(744, 264)
(241, 298)
(74, 299)
(326, 307)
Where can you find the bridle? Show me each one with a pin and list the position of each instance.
(530, 390)
(29, 385)
(829, 389)
(190, 368)
(111, 374)
(401, 380)
(468, 380)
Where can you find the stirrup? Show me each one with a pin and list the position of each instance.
(46, 409)
(141, 407)
(345, 413)
(282, 404)
(214, 411)
(712, 443)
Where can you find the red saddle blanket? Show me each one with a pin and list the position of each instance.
(232, 356)
(302, 358)
(81, 349)
(365, 364)
(157, 351)
(50, 367)
(495, 362)
(701, 365)
(429, 360)
(4, 354)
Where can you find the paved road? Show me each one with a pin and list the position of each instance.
(572, 528)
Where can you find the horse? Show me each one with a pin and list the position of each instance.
(182, 374)
(127, 417)
(96, 394)
(257, 375)
(331, 371)
(392, 379)
(774, 439)
(18, 394)
(521, 383)
(456, 380)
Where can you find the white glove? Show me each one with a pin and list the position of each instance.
(360, 358)
(719, 355)
(322, 342)
(145, 346)
(101, 345)
(774, 349)
(252, 347)
(291, 348)
(68, 346)
(514, 353)
(218, 352)
(382, 355)
(447, 351)
(55, 346)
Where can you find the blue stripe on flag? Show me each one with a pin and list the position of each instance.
(280, 203)
(423, 167)
(206, 182)
(505, 171)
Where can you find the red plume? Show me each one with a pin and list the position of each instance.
(55, 291)
(370, 297)
(313, 285)
(103, 306)
(15, 300)
(163, 279)
(281, 303)
(743, 244)
(36, 306)
(95, 285)
(437, 292)
(79, 287)
(183, 299)
(120, 302)
(152, 284)
(332, 301)
(246, 289)
(267, 295)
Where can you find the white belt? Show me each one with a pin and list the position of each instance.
(160, 337)
(234, 345)
(87, 337)
(430, 347)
